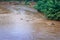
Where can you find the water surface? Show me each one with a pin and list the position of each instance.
(24, 23)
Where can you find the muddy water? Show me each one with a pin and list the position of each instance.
(23, 24)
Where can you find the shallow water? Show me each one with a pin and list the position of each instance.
(23, 24)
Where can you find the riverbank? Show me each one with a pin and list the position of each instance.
(25, 23)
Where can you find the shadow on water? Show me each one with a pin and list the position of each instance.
(23, 24)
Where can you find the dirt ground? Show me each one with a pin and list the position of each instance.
(19, 22)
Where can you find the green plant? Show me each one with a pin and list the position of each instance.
(50, 8)
(27, 3)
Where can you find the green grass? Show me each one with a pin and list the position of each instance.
(51, 8)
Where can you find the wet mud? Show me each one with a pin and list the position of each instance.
(24, 23)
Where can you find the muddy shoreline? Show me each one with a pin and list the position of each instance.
(20, 24)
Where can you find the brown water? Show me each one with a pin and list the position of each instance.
(24, 23)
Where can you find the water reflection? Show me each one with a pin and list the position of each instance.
(14, 29)
(26, 25)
